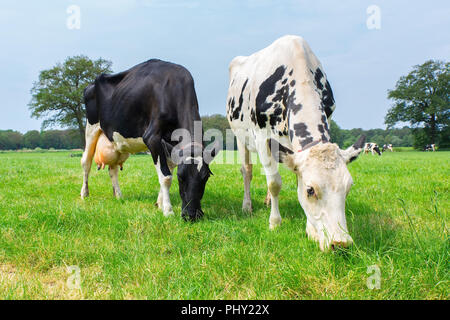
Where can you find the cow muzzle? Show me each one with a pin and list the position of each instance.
(192, 215)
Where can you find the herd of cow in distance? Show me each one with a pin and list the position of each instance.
(279, 105)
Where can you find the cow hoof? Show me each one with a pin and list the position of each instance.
(169, 212)
(84, 193)
(273, 226)
(274, 223)
(247, 207)
(117, 194)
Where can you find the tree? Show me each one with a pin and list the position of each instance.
(32, 139)
(336, 133)
(58, 94)
(422, 98)
(10, 140)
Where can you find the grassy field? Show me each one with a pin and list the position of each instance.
(397, 213)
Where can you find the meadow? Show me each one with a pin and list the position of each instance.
(397, 214)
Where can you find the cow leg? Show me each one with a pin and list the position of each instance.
(165, 182)
(247, 173)
(92, 134)
(273, 183)
(114, 174)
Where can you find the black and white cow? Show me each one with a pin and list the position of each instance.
(430, 147)
(372, 147)
(279, 105)
(138, 110)
(387, 147)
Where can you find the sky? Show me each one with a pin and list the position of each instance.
(361, 63)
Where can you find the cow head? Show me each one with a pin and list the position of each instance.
(377, 149)
(193, 173)
(323, 184)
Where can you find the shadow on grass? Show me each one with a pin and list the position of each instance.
(370, 230)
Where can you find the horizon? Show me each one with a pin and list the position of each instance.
(362, 58)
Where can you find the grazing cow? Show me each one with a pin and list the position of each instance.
(430, 147)
(372, 147)
(387, 147)
(279, 105)
(138, 110)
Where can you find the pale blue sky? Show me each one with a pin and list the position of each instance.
(204, 36)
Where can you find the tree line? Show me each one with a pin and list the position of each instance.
(70, 139)
(50, 139)
(420, 99)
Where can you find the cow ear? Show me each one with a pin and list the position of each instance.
(350, 154)
(211, 151)
(174, 153)
(281, 154)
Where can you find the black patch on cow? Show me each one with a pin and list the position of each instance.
(325, 92)
(262, 119)
(306, 141)
(301, 130)
(295, 107)
(324, 129)
(282, 95)
(318, 76)
(275, 115)
(284, 81)
(231, 104)
(253, 116)
(231, 107)
(290, 72)
(237, 111)
(327, 99)
(292, 83)
(266, 89)
(321, 129)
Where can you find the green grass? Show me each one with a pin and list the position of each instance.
(397, 213)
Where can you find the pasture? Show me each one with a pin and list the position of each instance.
(397, 214)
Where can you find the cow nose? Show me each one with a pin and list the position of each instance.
(193, 215)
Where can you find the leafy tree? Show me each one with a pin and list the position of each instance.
(422, 98)
(336, 133)
(10, 140)
(216, 121)
(58, 94)
(32, 139)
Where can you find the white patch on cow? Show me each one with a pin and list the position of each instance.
(129, 145)
(198, 160)
(164, 197)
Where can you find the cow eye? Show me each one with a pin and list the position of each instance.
(310, 191)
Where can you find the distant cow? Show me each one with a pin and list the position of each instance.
(430, 147)
(372, 147)
(138, 110)
(387, 147)
(279, 105)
